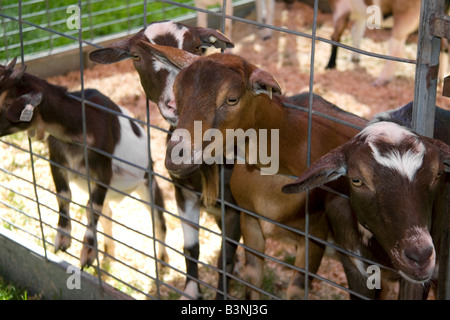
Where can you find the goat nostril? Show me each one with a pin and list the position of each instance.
(419, 255)
(171, 104)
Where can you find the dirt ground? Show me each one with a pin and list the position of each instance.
(288, 58)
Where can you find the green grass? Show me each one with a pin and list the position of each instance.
(98, 18)
(10, 292)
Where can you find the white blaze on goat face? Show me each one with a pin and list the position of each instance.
(167, 97)
(163, 28)
(406, 163)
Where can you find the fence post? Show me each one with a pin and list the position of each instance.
(434, 24)
(428, 48)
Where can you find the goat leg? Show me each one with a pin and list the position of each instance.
(88, 252)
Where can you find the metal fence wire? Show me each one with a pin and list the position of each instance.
(35, 29)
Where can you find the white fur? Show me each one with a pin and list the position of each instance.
(163, 28)
(365, 234)
(407, 163)
(191, 290)
(168, 95)
(389, 132)
(133, 149)
(359, 264)
(191, 212)
(89, 234)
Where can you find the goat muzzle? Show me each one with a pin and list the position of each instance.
(417, 260)
(180, 161)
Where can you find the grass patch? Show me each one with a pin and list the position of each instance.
(11, 292)
(98, 18)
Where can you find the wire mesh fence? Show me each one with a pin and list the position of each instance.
(110, 19)
(30, 203)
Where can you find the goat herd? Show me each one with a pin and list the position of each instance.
(380, 192)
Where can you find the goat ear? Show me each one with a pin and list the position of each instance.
(444, 150)
(117, 52)
(327, 168)
(13, 74)
(22, 109)
(12, 64)
(170, 56)
(17, 74)
(263, 82)
(213, 38)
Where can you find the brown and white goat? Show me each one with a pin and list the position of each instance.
(157, 80)
(396, 210)
(224, 91)
(406, 15)
(265, 10)
(30, 103)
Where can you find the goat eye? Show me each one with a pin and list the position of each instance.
(136, 57)
(232, 101)
(439, 175)
(356, 182)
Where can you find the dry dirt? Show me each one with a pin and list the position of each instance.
(288, 58)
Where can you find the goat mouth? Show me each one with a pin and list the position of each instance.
(172, 121)
(181, 170)
(185, 172)
(416, 280)
(415, 272)
(170, 117)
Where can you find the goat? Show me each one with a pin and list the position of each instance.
(406, 15)
(30, 103)
(224, 91)
(395, 212)
(265, 10)
(157, 80)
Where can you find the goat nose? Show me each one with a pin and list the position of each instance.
(171, 104)
(419, 255)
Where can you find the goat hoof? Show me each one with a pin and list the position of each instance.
(62, 241)
(87, 256)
